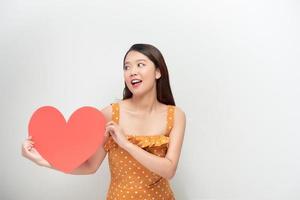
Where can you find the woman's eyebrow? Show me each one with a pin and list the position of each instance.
(128, 62)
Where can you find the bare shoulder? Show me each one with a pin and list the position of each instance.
(179, 115)
(107, 111)
(179, 123)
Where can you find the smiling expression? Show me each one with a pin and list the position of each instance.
(140, 73)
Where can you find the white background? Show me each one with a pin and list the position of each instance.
(234, 70)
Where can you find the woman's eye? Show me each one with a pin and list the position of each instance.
(125, 67)
(141, 64)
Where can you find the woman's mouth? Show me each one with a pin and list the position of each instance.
(136, 83)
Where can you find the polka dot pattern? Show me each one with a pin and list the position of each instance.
(129, 178)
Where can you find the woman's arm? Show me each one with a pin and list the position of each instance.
(163, 166)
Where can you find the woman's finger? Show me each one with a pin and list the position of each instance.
(113, 136)
(110, 128)
(112, 132)
(26, 145)
(110, 123)
(26, 149)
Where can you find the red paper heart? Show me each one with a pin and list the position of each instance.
(66, 145)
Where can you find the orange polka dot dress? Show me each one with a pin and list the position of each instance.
(129, 178)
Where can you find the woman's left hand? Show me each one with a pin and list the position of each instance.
(117, 134)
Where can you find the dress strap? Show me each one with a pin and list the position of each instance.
(115, 117)
(115, 112)
(170, 118)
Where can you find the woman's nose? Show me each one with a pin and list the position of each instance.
(133, 71)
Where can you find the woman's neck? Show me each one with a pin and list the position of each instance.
(146, 104)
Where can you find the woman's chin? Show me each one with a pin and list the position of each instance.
(137, 93)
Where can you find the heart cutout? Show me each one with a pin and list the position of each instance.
(66, 145)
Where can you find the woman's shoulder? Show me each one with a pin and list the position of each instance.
(175, 107)
(179, 112)
(107, 111)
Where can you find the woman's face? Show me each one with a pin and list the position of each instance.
(140, 73)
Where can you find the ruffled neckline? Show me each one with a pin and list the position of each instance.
(140, 136)
(148, 140)
(142, 141)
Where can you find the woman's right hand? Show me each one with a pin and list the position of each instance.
(29, 152)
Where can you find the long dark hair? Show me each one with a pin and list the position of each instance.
(163, 88)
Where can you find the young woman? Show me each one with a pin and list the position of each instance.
(144, 132)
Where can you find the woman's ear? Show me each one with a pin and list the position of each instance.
(157, 73)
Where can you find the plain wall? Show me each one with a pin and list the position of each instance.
(234, 70)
